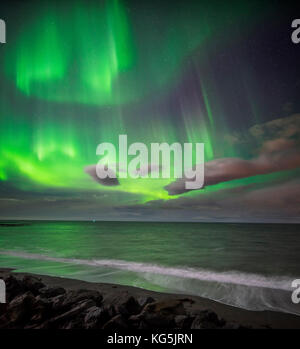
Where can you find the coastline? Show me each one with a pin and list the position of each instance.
(130, 307)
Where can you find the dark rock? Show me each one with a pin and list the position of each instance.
(32, 284)
(96, 317)
(14, 287)
(72, 325)
(68, 317)
(41, 310)
(203, 324)
(32, 305)
(68, 300)
(152, 320)
(4, 321)
(57, 303)
(134, 321)
(3, 308)
(117, 323)
(144, 326)
(162, 314)
(187, 300)
(143, 301)
(93, 314)
(75, 296)
(129, 307)
(234, 326)
(231, 326)
(111, 311)
(20, 308)
(159, 320)
(3, 313)
(49, 292)
(183, 321)
(43, 326)
(207, 319)
(174, 307)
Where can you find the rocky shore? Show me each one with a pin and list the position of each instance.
(41, 302)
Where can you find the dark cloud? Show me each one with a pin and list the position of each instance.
(91, 170)
(287, 128)
(273, 202)
(277, 153)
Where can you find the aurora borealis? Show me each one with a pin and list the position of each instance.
(75, 74)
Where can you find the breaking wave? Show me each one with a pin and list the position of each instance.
(244, 290)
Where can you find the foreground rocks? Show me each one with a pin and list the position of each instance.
(33, 305)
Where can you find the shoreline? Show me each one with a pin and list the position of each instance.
(169, 307)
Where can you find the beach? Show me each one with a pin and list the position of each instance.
(248, 266)
(63, 303)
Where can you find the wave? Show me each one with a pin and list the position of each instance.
(245, 290)
(231, 277)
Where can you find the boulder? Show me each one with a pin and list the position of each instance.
(143, 301)
(96, 317)
(74, 296)
(135, 321)
(41, 310)
(235, 326)
(162, 314)
(32, 284)
(20, 308)
(14, 287)
(142, 325)
(50, 292)
(183, 321)
(117, 323)
(57, 303)
(207, 319)
(159, 320)
(111, 311)
(171, 307)
(4, 321)
(68, 317)
(129, 306)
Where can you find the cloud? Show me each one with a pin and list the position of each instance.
(275, 154)
(142, 171)
(288, 127)
(282, 198)
(277, 201)
(91, 170)
(228, 169)
(283, 128)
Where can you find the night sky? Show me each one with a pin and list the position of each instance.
(76, 74)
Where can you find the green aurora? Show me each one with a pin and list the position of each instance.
(78, 75)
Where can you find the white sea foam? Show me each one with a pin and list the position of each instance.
(228, 277)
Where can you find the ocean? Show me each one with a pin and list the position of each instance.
(250, 266)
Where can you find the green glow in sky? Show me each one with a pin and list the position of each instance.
(75, 71)
(73, 54)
